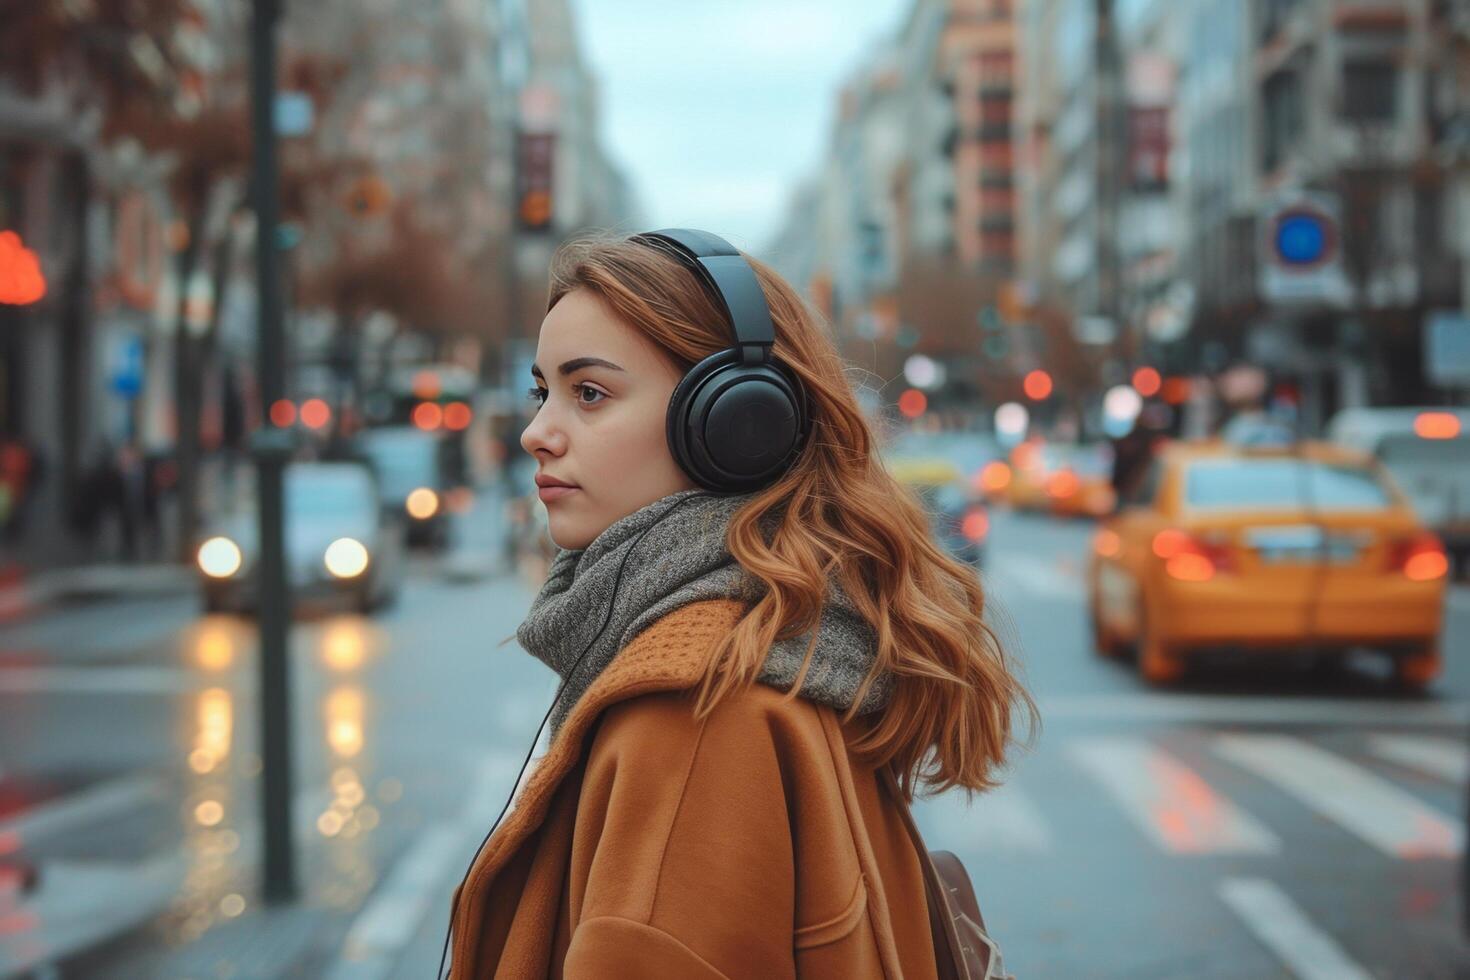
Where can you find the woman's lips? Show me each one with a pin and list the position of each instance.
(548, 494)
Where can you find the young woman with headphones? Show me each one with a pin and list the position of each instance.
(763, 651)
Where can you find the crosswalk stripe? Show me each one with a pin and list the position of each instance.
(1360, 802)
(1283, 928)
(1004, 820)
(1172, 803)
(1446, 758)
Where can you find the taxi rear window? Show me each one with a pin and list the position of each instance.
(1282, 484)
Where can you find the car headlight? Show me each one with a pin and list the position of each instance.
(219, 557)
(422, 504)
(346, 558)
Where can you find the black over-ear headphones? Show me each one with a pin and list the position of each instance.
(735, 421)
(739, 417)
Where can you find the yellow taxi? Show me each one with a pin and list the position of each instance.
(1306, 548)
(960, 522)
(1025, 486)
(1079, 480)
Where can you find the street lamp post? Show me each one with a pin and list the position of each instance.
(272, 450)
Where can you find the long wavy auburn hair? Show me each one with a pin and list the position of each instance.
(836, 512)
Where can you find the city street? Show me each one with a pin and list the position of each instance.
(1160, 311)
(1255, 823)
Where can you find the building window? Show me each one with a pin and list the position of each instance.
(1283, 118)
(1274, 14)
(1369, 91)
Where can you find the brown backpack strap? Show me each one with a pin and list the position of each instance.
(948, 952)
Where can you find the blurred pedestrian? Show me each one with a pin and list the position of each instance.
(19, 472)
(1131, 456)
(118, 490)
(763, 652)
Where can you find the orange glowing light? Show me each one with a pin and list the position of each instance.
(1176, 391)
(426, 385)
(976, 525)
(996, 476)
(1190, 567)
(423, 503)
(1037, 385)
(315, 413)
(428, 416)
(1063, 483)
(1028, 455)
(21, 281)
(1426, 566)
(457, 416)
(283, 414)
(1107, 543)
(1146, 382)
(1436, 425)
(1170, 542)
(912, 403)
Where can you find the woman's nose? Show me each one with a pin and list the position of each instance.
(543, 433)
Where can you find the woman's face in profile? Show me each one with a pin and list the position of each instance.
(605, 390)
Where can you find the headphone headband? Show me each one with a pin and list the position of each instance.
(738, 417)
(728, 279)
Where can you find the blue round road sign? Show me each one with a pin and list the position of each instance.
(1303, 238)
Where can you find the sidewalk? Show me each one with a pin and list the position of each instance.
(408, 731)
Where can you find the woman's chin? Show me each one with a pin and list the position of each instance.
(568, 537)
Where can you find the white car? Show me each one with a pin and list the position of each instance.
(338, 542)
(1427, 452)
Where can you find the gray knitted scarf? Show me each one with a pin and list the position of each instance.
(678, 561)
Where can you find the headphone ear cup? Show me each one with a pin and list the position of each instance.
(733, 427)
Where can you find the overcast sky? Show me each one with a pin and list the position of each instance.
(717, 108)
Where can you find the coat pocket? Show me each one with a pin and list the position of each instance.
(840, 925)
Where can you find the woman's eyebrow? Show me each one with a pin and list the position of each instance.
(577, 364)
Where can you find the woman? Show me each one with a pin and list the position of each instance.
(737, 665)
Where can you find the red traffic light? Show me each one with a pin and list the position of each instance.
(21, 281)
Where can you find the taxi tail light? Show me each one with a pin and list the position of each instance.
(1063, 483)
(1420, 558)
(1192, 557)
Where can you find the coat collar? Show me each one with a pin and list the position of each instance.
(668, 656)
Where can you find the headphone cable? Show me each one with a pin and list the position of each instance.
(444, 953)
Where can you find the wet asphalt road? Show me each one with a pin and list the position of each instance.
(1261, 821)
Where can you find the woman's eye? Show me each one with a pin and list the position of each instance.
(584, 389)
(537, 395)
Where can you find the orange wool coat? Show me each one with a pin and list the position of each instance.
(648, 845)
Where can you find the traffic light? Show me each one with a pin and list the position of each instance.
(535, 157)
(21, 280)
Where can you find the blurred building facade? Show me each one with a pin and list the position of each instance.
(405, 182)
(1068, 134)
(1340, 104)
(910, 228)
(1110, 181)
